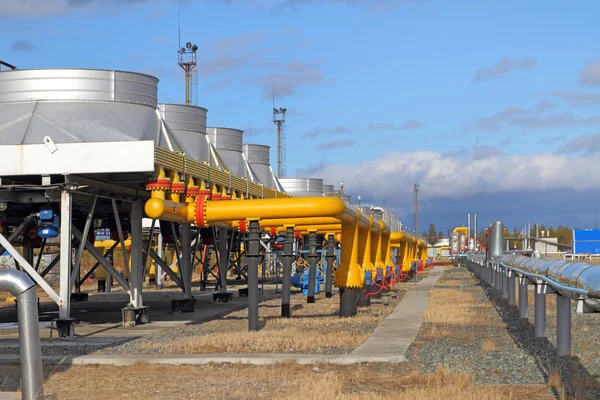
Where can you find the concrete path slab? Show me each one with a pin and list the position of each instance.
(387, 344)
(8, 395)
(398, 330)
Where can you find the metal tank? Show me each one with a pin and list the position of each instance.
(228, 143)
(80, 105)
(259, 158)
(454, 245)
(347, 199)
(303, 187)
(188, 124)
(328, 190)
(462, 242)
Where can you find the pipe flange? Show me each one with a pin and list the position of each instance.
(158, 184)
(178, 188)
(201, 211)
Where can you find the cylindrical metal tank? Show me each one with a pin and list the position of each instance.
(259, 158)
(188, 124)
(77, 105)
(78, 84)
(328, 190)
(303, 187)
(462, 242)
(228, 143)
(454, 245)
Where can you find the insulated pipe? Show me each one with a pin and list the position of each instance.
(287, 261)
(312, 262)
(22, 287)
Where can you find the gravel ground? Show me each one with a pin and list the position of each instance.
(500, 348)
(269, 309)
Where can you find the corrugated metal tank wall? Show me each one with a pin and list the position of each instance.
(258, 156)
(79, 105)
(188, 124)
(228, 143)
(303, 187)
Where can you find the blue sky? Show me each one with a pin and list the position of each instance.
(483, 103)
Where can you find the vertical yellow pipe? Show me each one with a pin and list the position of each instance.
(349, 274)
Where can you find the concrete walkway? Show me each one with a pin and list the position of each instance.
(388, 343)
(398, 330)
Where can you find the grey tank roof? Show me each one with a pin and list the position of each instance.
(81, 105)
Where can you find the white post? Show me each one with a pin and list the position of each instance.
(135, 277)
(64, 308)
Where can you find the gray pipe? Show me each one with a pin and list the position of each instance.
(20, 285)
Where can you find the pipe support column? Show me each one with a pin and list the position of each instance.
(313, 259)
(563, 326)
(330, 257)
(540, 311)
(287, 262)
(252, 260)
(523, 298)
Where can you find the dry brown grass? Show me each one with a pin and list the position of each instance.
(490, 345)
(313, 328)
(281, 381)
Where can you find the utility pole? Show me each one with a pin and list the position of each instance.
(186, 58)
(416, 210)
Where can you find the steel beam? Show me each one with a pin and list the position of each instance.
(86, 230)
(64, 307)
(109, 268)
(121, 237)
(163, 265)
(223, 259)
(137, 269)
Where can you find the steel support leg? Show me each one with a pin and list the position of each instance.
(349, 301)
(330, 258)
(64, 308)
(563, 326)
(511, 287)
(136, 267)
(313, 259)
(252, 260)
(287, 260)
(158, 269)
(186, 259)
(223, 259)
(540, 311)
(505, 284)
(523, 298)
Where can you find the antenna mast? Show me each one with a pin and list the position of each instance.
(279, 120)
(186, 58)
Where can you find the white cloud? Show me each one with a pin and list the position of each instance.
(503, 67)
(449, 177)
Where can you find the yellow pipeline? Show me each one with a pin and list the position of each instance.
(349, 273)
(461, 230)
(365, 235)
(304, 229)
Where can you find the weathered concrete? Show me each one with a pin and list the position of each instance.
(398, 330)
(9, 395)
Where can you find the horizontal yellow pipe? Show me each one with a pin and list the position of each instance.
(278, 222)
(305, 207)
(461, 230)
